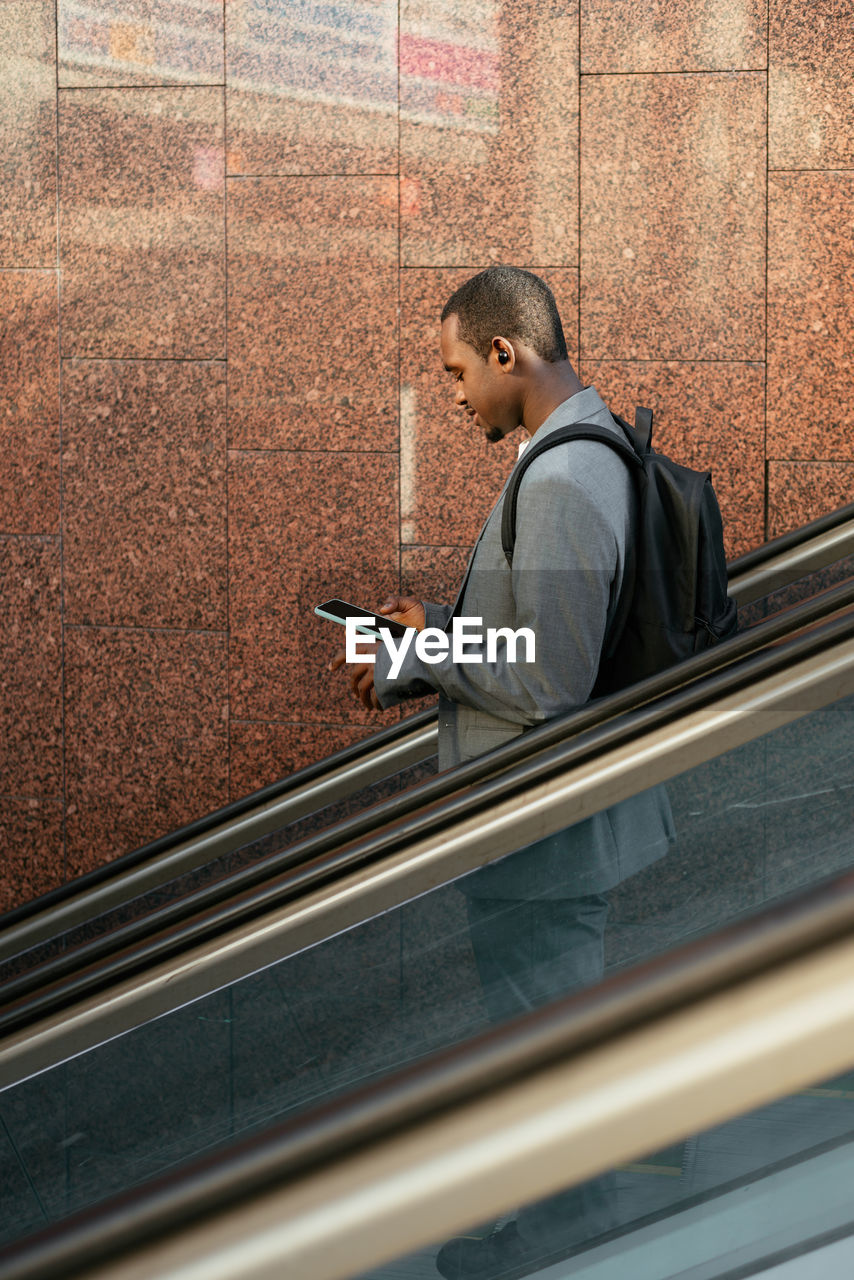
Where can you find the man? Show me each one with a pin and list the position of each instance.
(538, 916)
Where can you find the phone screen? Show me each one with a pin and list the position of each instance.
(340, 611)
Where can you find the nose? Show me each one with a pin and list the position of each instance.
(460, 396)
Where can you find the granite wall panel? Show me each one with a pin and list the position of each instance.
(132, 42)
(28, 133)
(810, 281)
(312, 313)
(146, 724)
(303, 527)
(31, 848)
(29, 402)
(489, 132)
(312, 89)
(673, 217)
(251, 413)
(810, 104)
(144, 469)
(433, 573)
(31, 670)
(142, 241)
(673, 35)
(264, 752)
(803, 491)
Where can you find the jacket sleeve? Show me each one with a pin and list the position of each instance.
(564, 566)
(436, 615)
(393, 692)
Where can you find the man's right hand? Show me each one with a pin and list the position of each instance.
(406, 609)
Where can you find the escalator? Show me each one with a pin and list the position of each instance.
(269, 832)
(355, 965)
(699, 1098)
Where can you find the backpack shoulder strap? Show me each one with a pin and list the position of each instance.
(643, 429)
(578, 431)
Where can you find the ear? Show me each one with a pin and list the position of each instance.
(503, 353)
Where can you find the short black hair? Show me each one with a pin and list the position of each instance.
(510, 302)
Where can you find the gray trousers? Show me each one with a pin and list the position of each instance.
(529, 953)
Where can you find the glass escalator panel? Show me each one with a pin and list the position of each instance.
(766, 1194)
(712, 845)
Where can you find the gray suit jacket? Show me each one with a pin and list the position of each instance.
(575, 515)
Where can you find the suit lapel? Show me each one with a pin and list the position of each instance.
(458, 602)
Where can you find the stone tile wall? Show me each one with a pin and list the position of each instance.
(226, 232)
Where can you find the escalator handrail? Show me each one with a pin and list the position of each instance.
(341, 760)
(27, 933)
(791, 541)
(429, 792)
(257, 801)
(318, 863)
(794, 930)
(776, 573)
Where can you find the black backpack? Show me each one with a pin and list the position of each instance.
(674, 598)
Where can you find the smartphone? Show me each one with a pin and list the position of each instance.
(340, 611)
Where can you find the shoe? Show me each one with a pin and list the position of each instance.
(500, 1255)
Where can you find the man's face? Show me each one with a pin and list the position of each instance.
(481, 387)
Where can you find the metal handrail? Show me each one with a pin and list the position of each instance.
(310, 850)
(561, 786)
(334, 778)
(794, 539)
(337, 776)
(782, 568)
(342, 774)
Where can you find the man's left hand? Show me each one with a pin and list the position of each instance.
(360, 675)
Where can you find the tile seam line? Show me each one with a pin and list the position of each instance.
(137, 629)
(293, 724)
(213, 360)
(712, 360)
(826, 169)
(409, 266)
(53, 538)
(281, 177)
(224, 50)
(695, 71)
(63, 624)
(168, 84)
(226, 423)
(400, 515)
(766, 477)
(578, 207)
(380, 453)
(36, 799)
